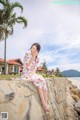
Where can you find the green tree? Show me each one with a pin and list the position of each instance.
(8, 18)
(44, 66)
(58, 73)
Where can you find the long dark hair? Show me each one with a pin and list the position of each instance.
(37, 46)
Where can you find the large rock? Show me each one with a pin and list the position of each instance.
(77, 107)
(73, 95)
(21, 100)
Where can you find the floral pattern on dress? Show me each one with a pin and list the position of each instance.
(36, 79)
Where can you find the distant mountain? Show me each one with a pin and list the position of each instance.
(71, 73)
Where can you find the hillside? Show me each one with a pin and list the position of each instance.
(71, 73)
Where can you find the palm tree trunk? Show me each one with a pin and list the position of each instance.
(5, 54)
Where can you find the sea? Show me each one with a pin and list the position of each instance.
(75, 81)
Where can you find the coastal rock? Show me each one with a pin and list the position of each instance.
(75, 92)
(75, 96)
(21, 100)
(77, 107)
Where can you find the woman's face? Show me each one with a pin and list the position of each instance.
(33, 49)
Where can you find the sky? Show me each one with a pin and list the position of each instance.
(56, 27)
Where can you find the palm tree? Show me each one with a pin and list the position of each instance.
(8, 18)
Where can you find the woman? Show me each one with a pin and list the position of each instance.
(29, 73)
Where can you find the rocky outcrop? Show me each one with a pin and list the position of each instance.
(75, 95)
(21, 100)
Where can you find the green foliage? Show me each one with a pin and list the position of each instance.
(8, 77)
(58, 73)
(44, 66)
(8, 18)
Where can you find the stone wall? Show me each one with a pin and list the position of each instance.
(21, 100)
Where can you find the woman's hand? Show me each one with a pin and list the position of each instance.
(34, 54)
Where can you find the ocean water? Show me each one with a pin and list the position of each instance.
(74, 78)
(75, 81)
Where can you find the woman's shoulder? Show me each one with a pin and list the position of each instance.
(28, 52)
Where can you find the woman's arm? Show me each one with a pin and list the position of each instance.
(27, 59)
(30, 61)
(35, 67)
(32, 58)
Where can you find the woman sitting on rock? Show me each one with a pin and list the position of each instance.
(29, 73)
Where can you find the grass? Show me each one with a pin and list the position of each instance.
(46, 76)
(8, 77)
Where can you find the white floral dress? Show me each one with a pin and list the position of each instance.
(36, 79)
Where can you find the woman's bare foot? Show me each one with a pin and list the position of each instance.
(46, 108)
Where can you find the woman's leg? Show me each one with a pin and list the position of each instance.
(42, 97)
(39, 80)
(46, 97)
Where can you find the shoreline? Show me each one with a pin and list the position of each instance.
(75, 82)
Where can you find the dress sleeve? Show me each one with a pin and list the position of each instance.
(26, 58)
(36, 64)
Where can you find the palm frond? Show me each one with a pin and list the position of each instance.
(1, 16)
(13, 15)
(22, 20)
(1, 33)
(1, 37)
(12, 19)
(8, 18)
(10, 30)
(3, 2)
(16, 4)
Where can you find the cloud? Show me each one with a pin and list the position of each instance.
(63, 67)
(55, 27)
